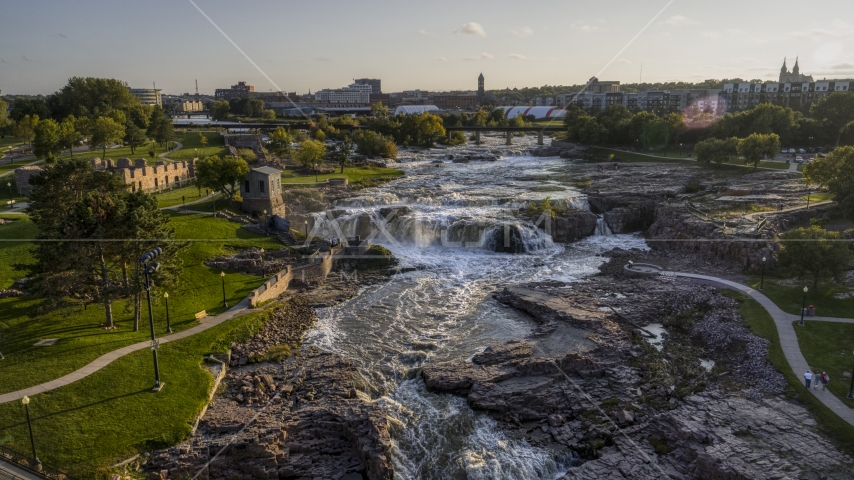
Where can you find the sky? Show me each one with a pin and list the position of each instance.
(431, 45)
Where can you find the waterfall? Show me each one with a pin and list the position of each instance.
(602, 228)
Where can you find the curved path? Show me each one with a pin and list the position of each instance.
(242, 308)
(753, 216)
(165, 155)
(788, 338)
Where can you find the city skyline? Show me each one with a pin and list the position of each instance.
(444, 47)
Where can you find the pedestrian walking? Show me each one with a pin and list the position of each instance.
(808, 378)
(824, 379)
(816, 379)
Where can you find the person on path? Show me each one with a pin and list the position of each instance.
(808, 378)
(816, 379)
(824, 379)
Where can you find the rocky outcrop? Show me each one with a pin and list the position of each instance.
(284, 328)
(253, 262)
(573, 226)
(625, 213)
(677, 229)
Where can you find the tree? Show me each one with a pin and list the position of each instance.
(106, 130)
(26, 129)
(372, 144)
(247, 154)
(97, 230)
(715, 150)
(836, 173)
(480, 118)
(29, 106)
(4, 116)
(836, 111)
(758, 146)
(268, 114)
(341, 154)
(311, 154)
(220, 109)
(280, 143)
(815, 254)
(160, 127)
(379, 110)
(203, 139)
(134, 136)
(519, 121)
(221, 173)
(92, 97)
(615, 119)
(46, 144)
(588, 131)
(430, 129)
(319, 135)
(253, 107)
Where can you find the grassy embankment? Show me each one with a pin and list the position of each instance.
(812, 345)
(81, 339)
(676, 156)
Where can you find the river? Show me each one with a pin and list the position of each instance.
(450, 219)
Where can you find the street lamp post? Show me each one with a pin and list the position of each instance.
(803, 307)
(306, 231)
(265, 222)
(150, 268)
(809, 195)
(168, 325)
(263, 267)
(36, 462)
(762, 283)
(9, 186)
(224, 303)
(851, 392)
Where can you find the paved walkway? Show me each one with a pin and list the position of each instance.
(788, 339)
(242, 308)
(164, 155)
(9, 471)
(752, 216)
(689, 159)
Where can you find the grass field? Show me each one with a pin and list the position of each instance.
(790, 299)
(81, 339)
(193, 148)
(7, 142)
(828, 347)
(819, 197)
(353, 174)
(174, 197)
(677, 156)
(761, 324)
(111, 415)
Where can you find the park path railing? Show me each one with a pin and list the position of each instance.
(26, 463)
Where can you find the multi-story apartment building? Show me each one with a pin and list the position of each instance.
(241, 90)
(355, 93)
(742, 96)
(375, 83)
(148, 96)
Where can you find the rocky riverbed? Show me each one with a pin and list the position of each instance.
(626, 409)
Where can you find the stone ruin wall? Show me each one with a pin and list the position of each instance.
(279, 284)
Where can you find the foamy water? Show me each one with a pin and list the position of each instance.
(452, 218)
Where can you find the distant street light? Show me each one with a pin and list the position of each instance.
(306, 231)
(265, 222)
(263, 267)
(762, 283)
(224, 303)
(803, 307)
(168, 325)
(36, 462)
(9, 185)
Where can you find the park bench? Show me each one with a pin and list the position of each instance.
(201, 315)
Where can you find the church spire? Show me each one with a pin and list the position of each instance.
(785, 69)
(797, 69)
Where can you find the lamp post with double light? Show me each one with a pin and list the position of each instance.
(803, 307)
(762, 283)
(149, 268)
(36, 462)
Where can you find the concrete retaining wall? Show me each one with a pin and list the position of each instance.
(274, 287)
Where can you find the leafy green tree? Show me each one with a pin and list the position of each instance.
(160, 127)
(46, 144)
(311, 154)
(93, 223)
(373, 144)
(815, 254)
(69, 136)
(615, 119)
(319, 135)
(26, 129)
(379, 110)
(247, 154)
(253, 107)
(280, 143)
(341, 154)
(648, 128)
(29, 106)
(220, 110)
(92, 97)
(519, 121)
(715, 150)
(134, 136)
(836, 111)
(758, 146)
(836, 173)
(105, 131)
(221, 174)
(430, 129)
(480, 118)
(203, 139)
(4, 116)
(268, 114)
(588, 131)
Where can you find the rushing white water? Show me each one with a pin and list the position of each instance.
(446, 223)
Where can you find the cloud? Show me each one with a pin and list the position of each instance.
(323, 59)
(482, 56)
(2, 61)
(677, 21)
(712, 35)
(843, 66)
(424, 32)
(624, 61)
(836, 29)
(525, 32)
(24, 58)
(471, 28)
(441, 59)
(516, 56)
(62, 36)
(587, 28)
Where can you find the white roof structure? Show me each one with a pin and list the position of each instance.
(415, 109)
(538, 112)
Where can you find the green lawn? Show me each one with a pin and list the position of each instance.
(173, 197)
(675, 156)
(790, 299)
(193, 148)
(761, 324)
(819, 197)
(8, 167)
(81, 338)
(111, 415)
(774, 165)
(6, 142)
(828, 347)
(353, 174)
